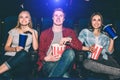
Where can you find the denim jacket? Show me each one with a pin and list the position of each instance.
(88, 38)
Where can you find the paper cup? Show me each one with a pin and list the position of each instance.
(111, 32)
(58, 49)
(22, 40)
(95, 55)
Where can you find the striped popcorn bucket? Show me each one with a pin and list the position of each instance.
(58, 49)
(96, 53)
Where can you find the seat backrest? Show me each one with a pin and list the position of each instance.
(7, 24)
(69, 23)
(82, 23)
(46, 23)
(117, 41)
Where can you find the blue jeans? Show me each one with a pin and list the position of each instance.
(19, 64)
(61, 67)
(18, 59)
(112, 70)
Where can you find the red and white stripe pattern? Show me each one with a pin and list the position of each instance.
(95, 55)
(58, 49)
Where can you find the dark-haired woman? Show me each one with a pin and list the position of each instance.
(94, 35)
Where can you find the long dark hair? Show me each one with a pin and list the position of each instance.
(90, 27)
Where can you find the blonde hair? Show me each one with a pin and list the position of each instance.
(59, 9)
(18, 23)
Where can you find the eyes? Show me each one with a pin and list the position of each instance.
(57, 15)
(27, 17)
(96, 20)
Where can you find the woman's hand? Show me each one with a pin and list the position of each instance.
(92, 48)
(28, 29)
(18, 48)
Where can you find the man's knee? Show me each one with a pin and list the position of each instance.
(69, 53)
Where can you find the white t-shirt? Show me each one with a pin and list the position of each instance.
(14, 33)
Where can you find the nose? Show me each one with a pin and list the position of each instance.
(23, 18)
(58, 17)
(97, 22)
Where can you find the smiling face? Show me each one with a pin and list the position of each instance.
(58, 18)
(24, 18)
(96, 21)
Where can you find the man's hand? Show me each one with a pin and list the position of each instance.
(64, 40)
(51, 57)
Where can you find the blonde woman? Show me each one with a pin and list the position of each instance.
(16, 55)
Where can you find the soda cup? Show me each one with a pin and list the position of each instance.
(95, 55)
(111, 32)
(22, 40)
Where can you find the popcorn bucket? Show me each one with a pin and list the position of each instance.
(111, 32)
(95, 55)
(22, 40)
(58, 49)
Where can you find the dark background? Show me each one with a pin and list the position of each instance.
(74, 9)
(77, 13)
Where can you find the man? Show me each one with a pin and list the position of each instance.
(57, 65)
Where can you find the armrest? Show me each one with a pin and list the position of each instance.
(34, 56)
